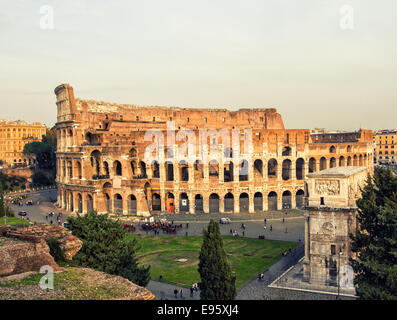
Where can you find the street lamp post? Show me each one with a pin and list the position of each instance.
(4, 205)
(339, 255)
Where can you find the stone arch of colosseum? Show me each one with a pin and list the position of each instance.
(102, 162)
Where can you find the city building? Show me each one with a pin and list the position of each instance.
(13, 137)
(236, 161)
(385, 142)
(330, 217)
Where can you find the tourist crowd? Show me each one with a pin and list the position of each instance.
(155, 227)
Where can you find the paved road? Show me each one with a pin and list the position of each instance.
(257, 290)
(292, 229)
(38, 213)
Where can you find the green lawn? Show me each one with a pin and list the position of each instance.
(13, 221)
(247, 256)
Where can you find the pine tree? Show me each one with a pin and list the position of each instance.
(217, 281)
(105, 248)
(375, 241)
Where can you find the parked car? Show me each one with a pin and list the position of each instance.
(22, 213)
(224, 221)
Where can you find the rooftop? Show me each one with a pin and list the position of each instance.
(337, 172)
(19, 123)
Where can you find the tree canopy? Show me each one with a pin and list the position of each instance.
(44, 150)
(105, 248)
(375, 241)
(10, 183)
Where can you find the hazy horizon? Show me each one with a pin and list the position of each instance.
(284, 54)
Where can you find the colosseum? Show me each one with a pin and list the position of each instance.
(138, 161)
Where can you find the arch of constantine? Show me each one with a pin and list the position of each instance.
(232, 161)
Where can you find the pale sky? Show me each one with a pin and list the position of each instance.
(289, 54)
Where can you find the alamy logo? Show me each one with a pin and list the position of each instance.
(47, 20)
(162, 149)
(47, 281)
(347, 276)
(347, 17)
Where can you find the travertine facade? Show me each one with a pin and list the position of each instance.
(13, 137)
(330, 218)
(238, 161)
(385, 142)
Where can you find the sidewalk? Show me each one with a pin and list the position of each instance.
(292, 279)
(165, 291)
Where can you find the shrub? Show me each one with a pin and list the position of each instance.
(55, 250)
(10, 212)
(105, 248)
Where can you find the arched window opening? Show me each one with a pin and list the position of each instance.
(272, 201)
(258, 202)
(287, 168)
(312, 165)
(272, 168)
(229, 202)
(300, 169)
(286, 200)
(258, 168)
(228, 172)
(243, 172)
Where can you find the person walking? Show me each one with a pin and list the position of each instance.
(181, 293)
(265, 221)
(176, 293)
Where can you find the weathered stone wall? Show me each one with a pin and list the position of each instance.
(19, 172)
(25, 249)
(68, 243)
(18, 256)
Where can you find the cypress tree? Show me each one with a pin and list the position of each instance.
(375, 240)
(217, 281)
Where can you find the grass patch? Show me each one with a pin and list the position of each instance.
(72, 284)
(14, 221)
(32, 279)
(247, 256)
